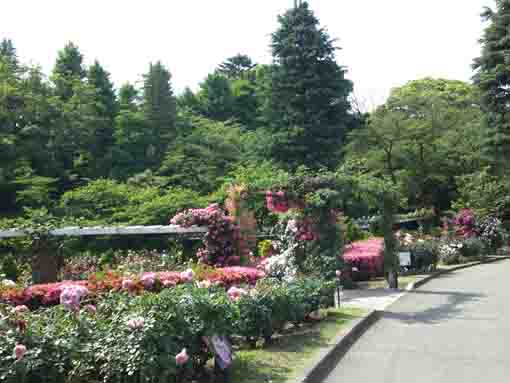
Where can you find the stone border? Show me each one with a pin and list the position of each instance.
(325, 360)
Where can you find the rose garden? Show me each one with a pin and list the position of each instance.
(107, 320)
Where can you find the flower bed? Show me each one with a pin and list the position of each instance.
(49, 294)
(365, 257)
(149, 337)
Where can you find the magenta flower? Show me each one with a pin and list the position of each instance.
(182, 357)
(71, 295)
(187, 275)
(148, 280)
(236, 293)
(19, 351)
(128, 284)
(91, 309)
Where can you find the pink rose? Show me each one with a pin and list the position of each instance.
(187, 275)
(235, 293)
(148, 280)
(136, 323)
(128, 284)
(21, 309)
(338, 273)
(91, 309)
(20, 351)
(182, 357)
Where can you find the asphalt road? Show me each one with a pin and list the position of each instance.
(454, 329)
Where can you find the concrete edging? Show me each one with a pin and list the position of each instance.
(327, 358)
(324, 362)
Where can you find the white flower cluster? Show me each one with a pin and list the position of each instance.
(7, 283)
(490, 231)
(450, 249)
(282, 266)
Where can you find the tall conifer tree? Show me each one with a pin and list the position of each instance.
(309, 104)
(159, 106)
(68, 68)
(493, 79)
(106, 108)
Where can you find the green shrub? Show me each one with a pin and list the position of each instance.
(425, 253)
(9, 267)
(105, 346)
(353, 232)
(472, 248)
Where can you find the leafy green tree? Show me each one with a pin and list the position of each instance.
(427, 133)
(493, 78)
(215, 98)
(68, 68)
(106, 108)
(485, 193)
(128, 96)
(8, 53)
(309, 101)
(245, 106)
(159, 107)
(200, 160)
(188, 100)
(236, 67)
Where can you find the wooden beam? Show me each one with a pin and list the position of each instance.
(100, 230)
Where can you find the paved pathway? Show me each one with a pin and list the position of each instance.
(454, 329)
(370, 299)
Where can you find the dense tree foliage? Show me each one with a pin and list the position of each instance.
(493, 78)
(73, 143)
(309, 100)
(427, 133)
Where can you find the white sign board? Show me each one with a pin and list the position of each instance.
(405, 258)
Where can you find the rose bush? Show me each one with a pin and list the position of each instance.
(100, 285)
(150, 336)
(218, 247)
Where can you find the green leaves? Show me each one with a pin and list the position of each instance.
(309, 107)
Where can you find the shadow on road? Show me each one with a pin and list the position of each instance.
(450, 305)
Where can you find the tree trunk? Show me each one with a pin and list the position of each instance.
(44, 263)
(393, 279)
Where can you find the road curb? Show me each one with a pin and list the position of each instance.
(421, 282)
(326, 359)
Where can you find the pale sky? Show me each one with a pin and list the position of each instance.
(385, 43)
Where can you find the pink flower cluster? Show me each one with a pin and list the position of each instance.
(71, 296)
(136, 323)
(70, 293)
(465, 222)
(305, 230)
(236, 293)
(182, 357)
(218, 247)
(366, 255)
(277, 202)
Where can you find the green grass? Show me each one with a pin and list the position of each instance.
(289, 354)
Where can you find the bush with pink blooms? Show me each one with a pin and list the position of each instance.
(149, 336)
(366, 258)
(218, 247)
(99, 285)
